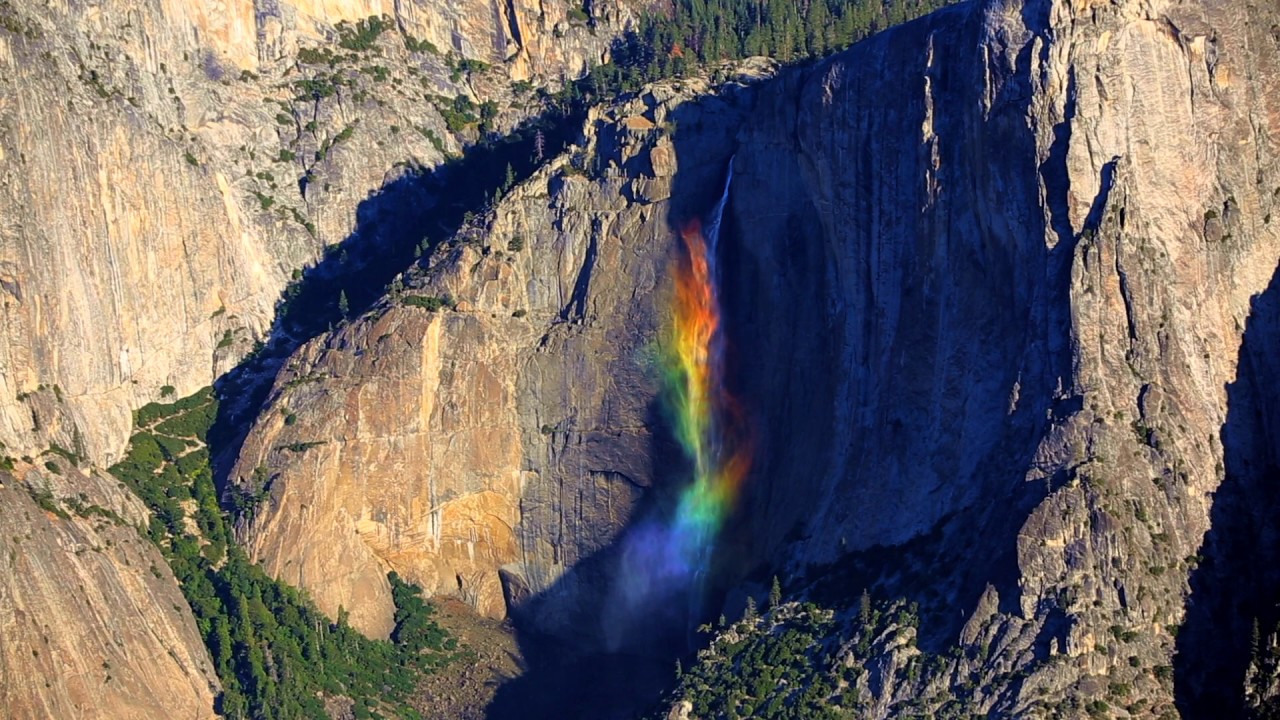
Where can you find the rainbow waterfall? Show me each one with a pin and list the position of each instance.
(670, 556)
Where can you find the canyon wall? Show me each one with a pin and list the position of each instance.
(1043, 224)
(987, 276)
(149, 171)
(987, 280)
(511, 431)
(166, 169)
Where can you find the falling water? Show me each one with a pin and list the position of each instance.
(671, 556)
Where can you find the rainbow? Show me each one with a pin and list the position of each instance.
(707, 419)
(669, 556)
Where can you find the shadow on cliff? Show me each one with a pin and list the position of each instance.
(952, 275)
(793, 335)
(396, 227)
(620, 655)
(1237, 581)
(597, 663)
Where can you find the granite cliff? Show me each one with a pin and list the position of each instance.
(228, 145)
(493, 415)
(999, 285)
(94, 623)
(988, 276)
(166, 169)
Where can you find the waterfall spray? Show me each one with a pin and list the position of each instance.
(670, 556)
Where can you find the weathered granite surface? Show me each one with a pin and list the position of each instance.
(990, 275)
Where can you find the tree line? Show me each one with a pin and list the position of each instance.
(689, 33)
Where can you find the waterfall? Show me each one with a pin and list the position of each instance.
(668, 556)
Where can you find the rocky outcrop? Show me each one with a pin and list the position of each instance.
(148, 246)
(93, 623)
(510, 426)
(539, 37)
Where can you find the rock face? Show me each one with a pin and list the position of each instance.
(989, 277)
(988, 282)
(94, 625)
(148, 247)
(1035, 274)
(541, 37)
(165, 168)
(510, 432)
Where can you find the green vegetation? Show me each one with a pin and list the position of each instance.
(801, 660)
(275, 653)
(44, 498)
(317, 56)
(363, 34)
(413, 44)
(769, 667)
(318, 87)
(329, 143)
(434, 139)
(458, 113)
(430, 302)
(150, 413)
(464, 66)
(703, 31)
(1261, 701)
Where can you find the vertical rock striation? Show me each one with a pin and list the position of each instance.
(94, 625)
(1041, 227)
(511, 429)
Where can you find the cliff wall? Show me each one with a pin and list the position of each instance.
(987, 278)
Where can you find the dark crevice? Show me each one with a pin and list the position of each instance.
(1106, 182)
(1127, 296)
(576, 308)
(1053, 171)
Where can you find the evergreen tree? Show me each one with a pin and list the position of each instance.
(343, 306)
(1255, 640)
(775, 594)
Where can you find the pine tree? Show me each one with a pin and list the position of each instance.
(775, 594)
(749, 615)
(864, 608)
(343, 306)
(1255, 641)
(510, 180)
